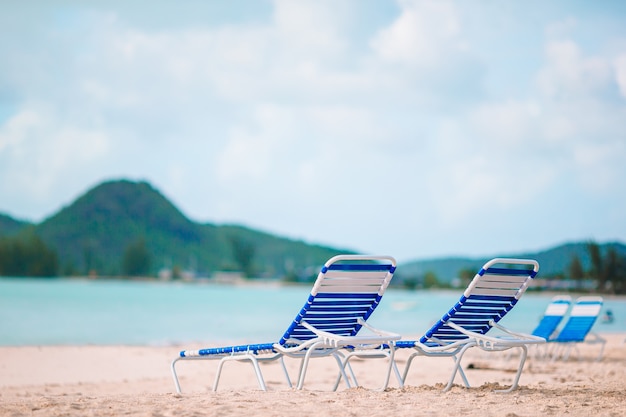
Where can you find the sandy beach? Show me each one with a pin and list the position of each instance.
(136, 381)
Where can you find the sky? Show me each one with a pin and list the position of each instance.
(410, 128)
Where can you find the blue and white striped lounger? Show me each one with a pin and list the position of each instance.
(493, 292)
(577, 329)
(347, 291)
(552, 317)
(556, 310)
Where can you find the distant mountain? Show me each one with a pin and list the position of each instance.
(10, 226)
(552, 262)
(93, 233)
(556, 260)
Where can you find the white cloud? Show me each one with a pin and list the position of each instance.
(569, 74)
(251, 155)
(16, 130)
(599, 165)
(49, 151)
(308, 30)
(422, 36)
(620, 74)
(508, 124)
(235, 116)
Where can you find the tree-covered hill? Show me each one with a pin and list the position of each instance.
(129, 228)
(10, 226)
(553, 262)
(92, 234)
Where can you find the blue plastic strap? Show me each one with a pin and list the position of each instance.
(510, 271)
(359, 267)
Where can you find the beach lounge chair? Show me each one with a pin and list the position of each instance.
(577, 329)
(493, 292)
(347, 291)
(552, 317)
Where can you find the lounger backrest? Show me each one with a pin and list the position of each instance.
(347, 288)
(493, 292)
(582, 318)
(556, 310)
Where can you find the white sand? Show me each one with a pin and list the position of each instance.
(136, 381)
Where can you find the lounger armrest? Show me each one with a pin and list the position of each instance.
(494, 341)
(391, 335)
(523, 337)
(444, 347)
(302, 346)
(593, 337)
(377, 338)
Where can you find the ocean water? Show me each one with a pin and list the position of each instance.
(110, 312)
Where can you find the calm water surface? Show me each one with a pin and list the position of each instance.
(106, 312)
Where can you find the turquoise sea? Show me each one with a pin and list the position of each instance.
(110, 312)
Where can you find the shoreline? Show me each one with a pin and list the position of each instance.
(136, 380)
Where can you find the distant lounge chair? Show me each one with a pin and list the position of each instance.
(347, 291)
(577, 329)
(493, 292)
(552, 317)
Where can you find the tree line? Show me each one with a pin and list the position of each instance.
(26, 255)
(608, 271)
(606, 274)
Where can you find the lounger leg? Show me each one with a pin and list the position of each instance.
(175, 376)
(259, 375)
(599, 358)
(342, 363)
(305, 364)
(407, 366)
(356, 383)
(300, 368)
(556, 351)
(541, 351)
(380, 354)
(545, 352)
(396, 371)
(282, 363)
(218, 374)
(523, 356)
(457, 367)
(568, 351)
(253, 361)
(391, 357)
(462, 373)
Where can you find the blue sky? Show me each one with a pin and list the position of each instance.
(412, 128)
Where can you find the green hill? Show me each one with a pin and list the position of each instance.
(93, 233)
(10, 226)
(96, 232)
(553, 262)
